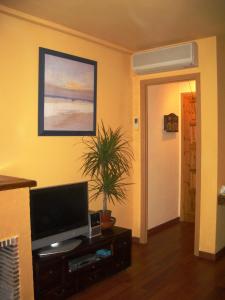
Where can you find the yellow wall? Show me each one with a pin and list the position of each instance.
(209, 148)
(54, 160)
(220, 241)
(15, 221)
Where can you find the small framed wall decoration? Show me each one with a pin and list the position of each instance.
(67, 94)
(171, 123)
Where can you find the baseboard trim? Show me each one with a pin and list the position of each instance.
(158, 228)
(220, 253)
(212, 256)
(135, 240)
(163, 226)
(207, 255)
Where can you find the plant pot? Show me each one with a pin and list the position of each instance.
(107, 221)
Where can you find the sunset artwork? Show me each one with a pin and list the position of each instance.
(69, 101)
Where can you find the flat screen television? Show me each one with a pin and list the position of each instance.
(58, 213)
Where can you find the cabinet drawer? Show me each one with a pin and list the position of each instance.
(57, 294)
(89, 277)
(122, 244)
(71, 280)
(121, 264)
(122, 247)
(122, 252)
(49, 276)
(95, 272)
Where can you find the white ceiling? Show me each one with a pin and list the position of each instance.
(133, 24)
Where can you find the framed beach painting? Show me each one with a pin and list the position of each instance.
(67, 94)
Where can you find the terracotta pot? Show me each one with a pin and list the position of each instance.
(107, 221)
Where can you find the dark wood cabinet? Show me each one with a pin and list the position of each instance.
(58, 276)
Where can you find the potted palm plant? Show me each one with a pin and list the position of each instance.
(107, 161)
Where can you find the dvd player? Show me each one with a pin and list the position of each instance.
(83, 261)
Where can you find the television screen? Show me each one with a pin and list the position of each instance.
(58, 209)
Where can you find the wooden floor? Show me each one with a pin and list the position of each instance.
(164, 269)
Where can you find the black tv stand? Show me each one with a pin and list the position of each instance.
(61, 275)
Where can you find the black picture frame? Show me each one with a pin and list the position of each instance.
(67, 94)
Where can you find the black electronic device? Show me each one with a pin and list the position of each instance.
(58, 213)
(81, 262)
(94, 224)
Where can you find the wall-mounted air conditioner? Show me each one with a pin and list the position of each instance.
(164, 59)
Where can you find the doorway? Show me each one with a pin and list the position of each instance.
(144, 151)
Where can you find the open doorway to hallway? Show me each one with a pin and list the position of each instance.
(177, 208)
(171, 155)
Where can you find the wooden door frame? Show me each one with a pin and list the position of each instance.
(144, 151)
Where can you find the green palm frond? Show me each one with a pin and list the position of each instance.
(107, 161)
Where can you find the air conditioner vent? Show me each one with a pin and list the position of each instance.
(163, 59)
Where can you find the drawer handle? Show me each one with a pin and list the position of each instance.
(92, 277)
(60, 292)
